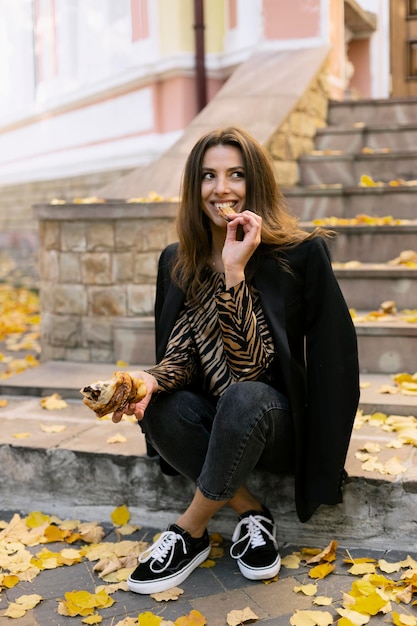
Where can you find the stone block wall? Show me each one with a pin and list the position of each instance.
(98, 265)
(295, 137)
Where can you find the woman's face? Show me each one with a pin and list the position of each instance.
(223, 182)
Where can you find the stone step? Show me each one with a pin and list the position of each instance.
(370, 284)
(382, 111)
(52, 467)
(354, 138)
(347, 169)
(386, 347)
(318, 201)
(370, 244)
(373, 396)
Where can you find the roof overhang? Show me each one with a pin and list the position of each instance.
(361, 23)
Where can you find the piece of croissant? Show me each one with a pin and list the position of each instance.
(107, 396)
(225, 212)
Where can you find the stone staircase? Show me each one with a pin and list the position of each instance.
(79, 473)
(375, 139)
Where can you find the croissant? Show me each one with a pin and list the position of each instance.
(107, 396)
(225, 212)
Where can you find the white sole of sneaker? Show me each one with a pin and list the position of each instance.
(257, 573)
(162, 584)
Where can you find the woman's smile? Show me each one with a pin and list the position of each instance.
(223, 184)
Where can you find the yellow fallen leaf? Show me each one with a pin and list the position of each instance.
(307, 590)
(21, 435)
(117, 438)
(292, 561)
(394, 467)
(128, 529)
(120, 515)
(9, 581)
(29, 601)
(15, 611)
(409, 562)
(236, 617)
(311, 618)
(359, 569)
(369, 605)
(394, 443)
(328, 554)
(388, 389)
(53, 402)
(93, 619)
(171, 594)
(36, 518)
(52, 428)
(402, 619)
(3, 403)
(358, 619)
(194, 618)
(149, 619)
(89, 200)
(405, 595)
(57, 201)
(84, 603)
(207, 564)
(322, 601)
(268, 581)
(373, 465)
(371, 447)
(321, 571)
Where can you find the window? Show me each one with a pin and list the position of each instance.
(412, 8)
(412, 58)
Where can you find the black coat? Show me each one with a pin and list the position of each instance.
(316, 344)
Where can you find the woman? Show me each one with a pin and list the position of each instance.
(256, 361)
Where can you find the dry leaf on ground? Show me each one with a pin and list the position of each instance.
(236, 617)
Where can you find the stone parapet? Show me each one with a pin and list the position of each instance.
(98, 266)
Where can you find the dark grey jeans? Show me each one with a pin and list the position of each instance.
(217, 443)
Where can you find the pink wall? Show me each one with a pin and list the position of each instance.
(359, 56)
(291, 19)
(175, 102)
(337, 66)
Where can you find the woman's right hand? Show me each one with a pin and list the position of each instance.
(138, 408)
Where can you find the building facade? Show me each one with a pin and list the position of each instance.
(93, 88)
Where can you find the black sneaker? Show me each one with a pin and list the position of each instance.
(169, 561)
(255, 547)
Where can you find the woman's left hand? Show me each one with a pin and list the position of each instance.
(236, 253)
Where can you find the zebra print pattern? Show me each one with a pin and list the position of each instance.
(220, 340)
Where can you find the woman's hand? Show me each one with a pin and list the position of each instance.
(138, 408)
(236, 254)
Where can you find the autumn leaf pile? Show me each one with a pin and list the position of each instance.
(151, 197)
(362, 219)
(19, 330)
(21, 561)
(378, 587)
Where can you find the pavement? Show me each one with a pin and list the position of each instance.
(217, 593)
(68, 472)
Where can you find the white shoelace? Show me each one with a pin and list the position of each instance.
(253, 537)
(163, 547)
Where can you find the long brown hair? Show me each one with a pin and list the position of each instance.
(263, 196)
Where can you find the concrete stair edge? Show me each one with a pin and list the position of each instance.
(48, 479)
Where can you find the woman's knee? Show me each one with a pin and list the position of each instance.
(254, 395)
(170, 412)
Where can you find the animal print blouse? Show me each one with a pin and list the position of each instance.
(222, 339)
